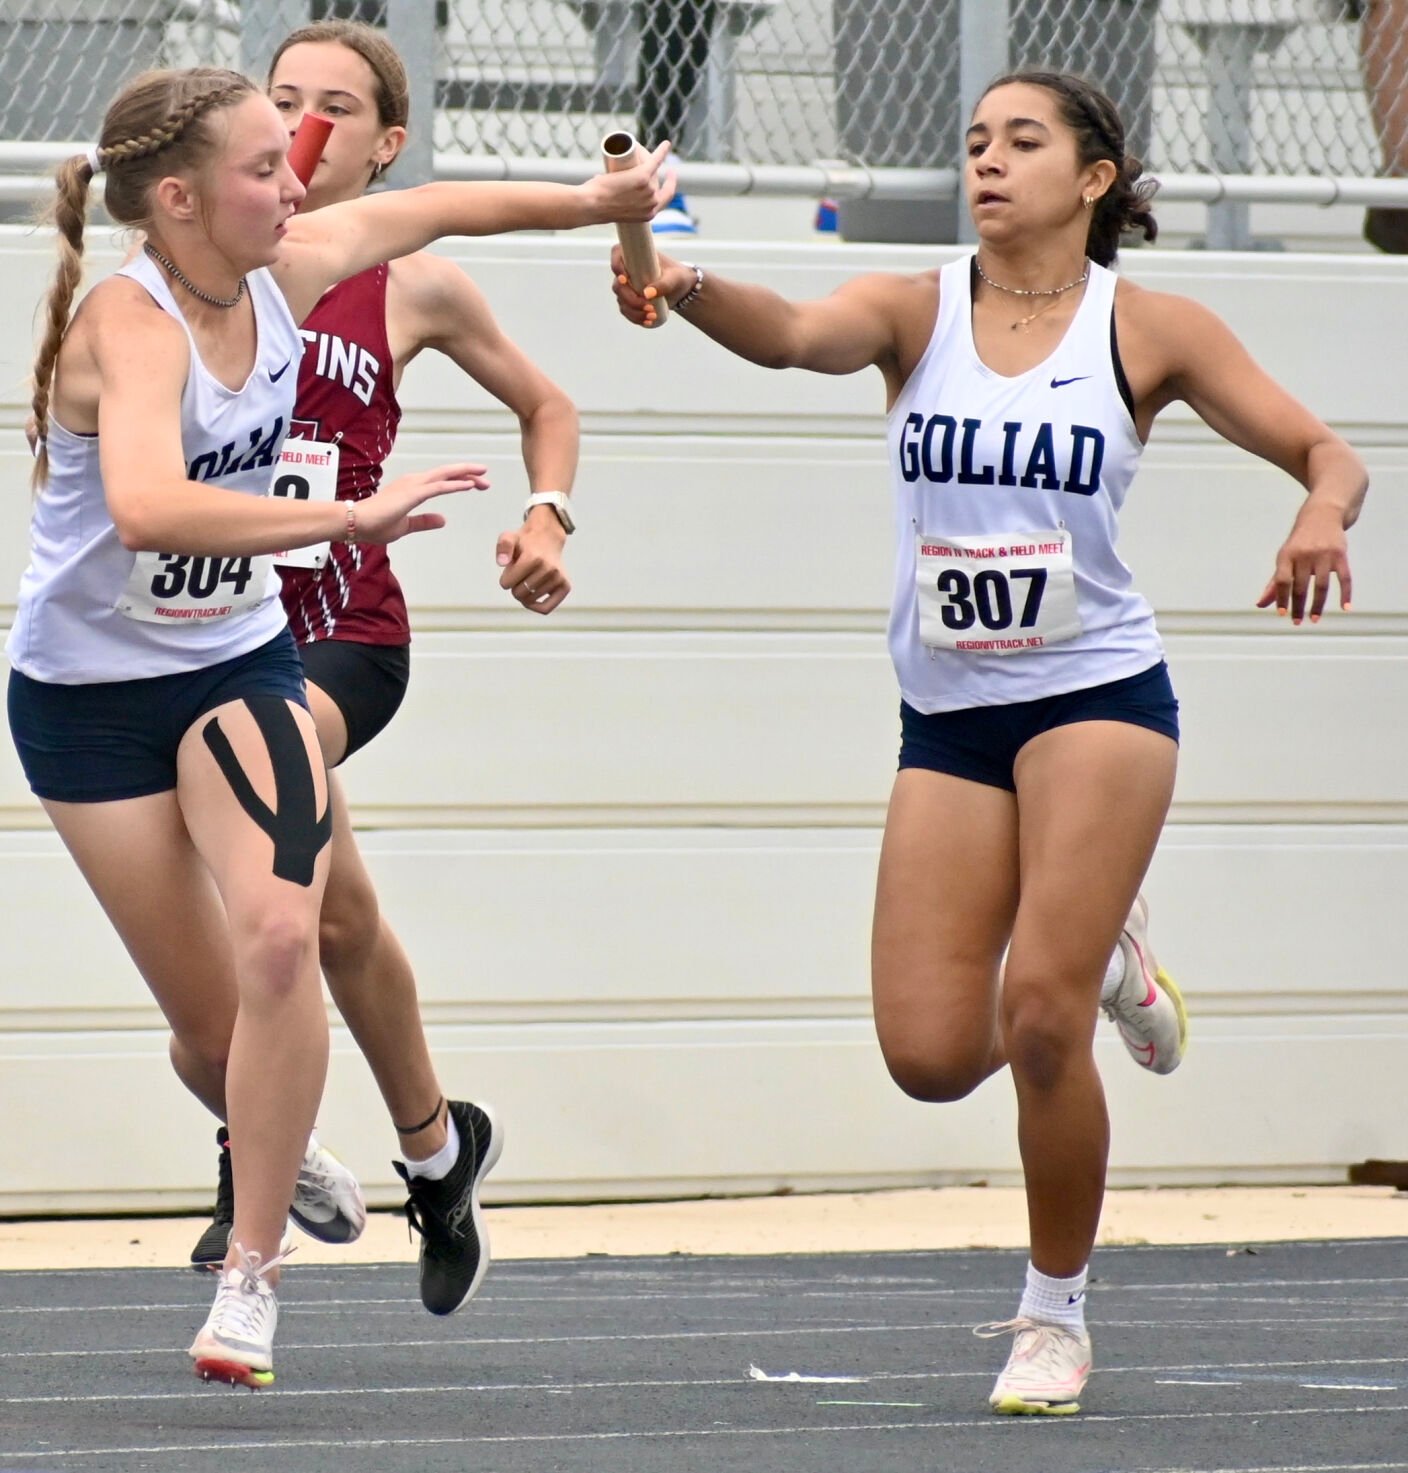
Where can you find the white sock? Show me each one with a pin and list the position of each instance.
(1054, 1301)
(437, 1167)
(1114, 975)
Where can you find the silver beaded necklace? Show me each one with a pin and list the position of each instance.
(1018, 291)
(178, 275)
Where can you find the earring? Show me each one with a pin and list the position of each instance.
(377, 168)
(1088, 200)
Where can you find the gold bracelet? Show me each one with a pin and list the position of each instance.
(350, 507)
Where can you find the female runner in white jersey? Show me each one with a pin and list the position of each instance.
(156, 697)
(1039, 729)
(349, 620)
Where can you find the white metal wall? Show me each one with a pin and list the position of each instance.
(631, 849)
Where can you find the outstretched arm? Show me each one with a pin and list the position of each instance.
(1217, 378)
(327, 245)
(856, 327)
(140, 360)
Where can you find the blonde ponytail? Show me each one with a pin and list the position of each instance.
(69, 214)
(154, 126)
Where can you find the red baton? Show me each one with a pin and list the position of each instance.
(308, 144)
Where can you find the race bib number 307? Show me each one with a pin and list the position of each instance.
(997, 595)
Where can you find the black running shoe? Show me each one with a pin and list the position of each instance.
(214, 1243)
(454, 1249)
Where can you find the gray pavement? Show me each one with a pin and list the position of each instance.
(1292, 1356)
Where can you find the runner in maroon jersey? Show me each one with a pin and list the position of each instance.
(347, 399)
(348, 615)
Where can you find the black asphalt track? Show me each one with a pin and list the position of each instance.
(1289, 1357)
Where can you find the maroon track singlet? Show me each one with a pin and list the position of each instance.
(345, 394)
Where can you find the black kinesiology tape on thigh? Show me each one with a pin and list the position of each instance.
(298, 834)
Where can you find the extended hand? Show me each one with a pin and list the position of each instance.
(674, 281)
(1315, 551)
(638, 193)
(391, 513)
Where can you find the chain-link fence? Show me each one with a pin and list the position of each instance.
(1232, 87)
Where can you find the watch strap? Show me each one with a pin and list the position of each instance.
(558, 501)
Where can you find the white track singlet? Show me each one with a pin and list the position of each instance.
(1007, 497)
(90, 610)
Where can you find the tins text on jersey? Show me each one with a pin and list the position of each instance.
(348, 364)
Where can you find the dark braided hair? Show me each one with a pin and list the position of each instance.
(155, 126)
(1099, 133)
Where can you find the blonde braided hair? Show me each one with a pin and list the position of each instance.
(153, 128)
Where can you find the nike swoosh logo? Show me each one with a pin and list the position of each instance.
(1060, 383)
(1151, 995)
(275, 377)
(1144, 1052)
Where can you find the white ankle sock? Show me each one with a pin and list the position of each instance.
(1054, 1301)
(1114, 975)
(437, 1167)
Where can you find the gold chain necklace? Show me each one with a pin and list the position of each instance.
(1055, 292)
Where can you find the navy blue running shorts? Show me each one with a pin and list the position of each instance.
(366, 682)
(981, 743)
(118, 738)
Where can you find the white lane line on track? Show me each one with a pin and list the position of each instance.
(1293, 1468)
(1302, 1323)
(977, 1422)
(1235, 1381)
(1223, 1293)
(336, 1308)
(811, 1331)
(607, 1271)
(1221, 1287)
(554, 1268)
(486, 1341)
(1343, 1386)
(1253, 1370)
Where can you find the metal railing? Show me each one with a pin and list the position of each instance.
(1231, 102)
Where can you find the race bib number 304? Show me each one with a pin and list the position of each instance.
(997, 595)
(170, 588)
(307, 471)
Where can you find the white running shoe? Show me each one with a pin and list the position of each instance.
(1147, 1006)
(1045, 1373)
(327, 1202)
(236, 1343)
